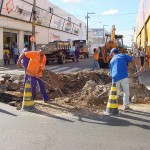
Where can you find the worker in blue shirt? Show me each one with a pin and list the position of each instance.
(119, 73)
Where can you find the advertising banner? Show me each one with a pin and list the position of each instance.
(57, 22)
(43, 17)
(67, 26)
(17, 9)
(75, 29)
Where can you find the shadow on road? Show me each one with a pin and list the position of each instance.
(122, 120)
(6, 112)
(37, 111)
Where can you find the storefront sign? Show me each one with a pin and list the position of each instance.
(67, 26)
(17, 9)
(75, 29)
(43, 17)
(57, 22)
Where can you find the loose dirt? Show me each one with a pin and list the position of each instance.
(72, 92)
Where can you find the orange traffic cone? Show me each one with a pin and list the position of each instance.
(112, 105)
(28, 103)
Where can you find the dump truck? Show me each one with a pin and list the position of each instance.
(84, 53)
(59, 51)
(112, 41)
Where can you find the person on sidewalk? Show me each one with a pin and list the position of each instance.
(142, 56)
(77, 53)
(119, 73)
(6, 59)
(16, 54)
(96, 57)
(35, 68)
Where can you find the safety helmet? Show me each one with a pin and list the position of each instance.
(44, 48)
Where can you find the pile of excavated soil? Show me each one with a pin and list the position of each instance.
(71, 91)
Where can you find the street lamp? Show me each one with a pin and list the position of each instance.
(103, 34)
(87, 30)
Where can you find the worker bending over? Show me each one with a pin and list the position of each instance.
(35, 68)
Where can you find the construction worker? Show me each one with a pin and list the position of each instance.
(35, 68)
(96, 57)
(119, 73)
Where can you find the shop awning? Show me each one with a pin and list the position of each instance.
(148, 32)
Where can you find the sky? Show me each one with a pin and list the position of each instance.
(121, 13)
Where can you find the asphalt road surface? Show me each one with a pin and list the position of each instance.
(69, 66)
(31, 131)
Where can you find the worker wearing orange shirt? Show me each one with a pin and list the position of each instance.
(35, 68)
(96, 57)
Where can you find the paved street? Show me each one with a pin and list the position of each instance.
(23, 130)
(69, 66)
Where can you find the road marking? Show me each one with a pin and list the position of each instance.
(49, 67)
(59, 69)
(87, 69)
(73, 69)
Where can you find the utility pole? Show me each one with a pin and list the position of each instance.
(33, 25)
(87, 28)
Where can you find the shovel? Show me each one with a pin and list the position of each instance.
(44, 82)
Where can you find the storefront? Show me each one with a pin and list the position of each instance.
(143, 28)
(16, 25)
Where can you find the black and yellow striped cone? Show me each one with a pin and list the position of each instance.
(112, 104)
(28, 103)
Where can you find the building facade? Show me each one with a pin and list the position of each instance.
(96, 37)
(143, 27)
(52, 23)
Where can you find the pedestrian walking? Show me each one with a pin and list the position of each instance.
(16, 54)
(77, 53)
(119, 73)
(142, 56)
(96, 57)
(35, 68)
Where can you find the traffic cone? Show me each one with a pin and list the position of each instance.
(112, 105)
(28, 103)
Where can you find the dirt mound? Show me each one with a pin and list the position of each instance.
(72, 91)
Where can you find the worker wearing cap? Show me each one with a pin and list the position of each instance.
(35, 68)
(119, 73)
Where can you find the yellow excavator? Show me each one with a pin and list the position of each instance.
(112, 41)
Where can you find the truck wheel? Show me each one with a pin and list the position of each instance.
(61, 59)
